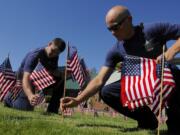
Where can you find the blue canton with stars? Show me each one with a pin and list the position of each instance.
(131, 66)
(159, 68)
(39, 67)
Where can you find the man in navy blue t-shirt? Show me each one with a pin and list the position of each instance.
(144, 41)
(48, 56)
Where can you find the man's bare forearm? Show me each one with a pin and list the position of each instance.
(92, 88)
(26, 85)
(173, 50)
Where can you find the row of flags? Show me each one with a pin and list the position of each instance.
(10, 83)
(140, 82)
(40, 77)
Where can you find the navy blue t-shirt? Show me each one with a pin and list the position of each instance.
(147, 42)
(31, 59)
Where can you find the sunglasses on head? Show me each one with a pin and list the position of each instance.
(116, 25)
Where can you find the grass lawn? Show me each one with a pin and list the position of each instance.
(14, 122)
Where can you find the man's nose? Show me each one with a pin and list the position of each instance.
(112, 32)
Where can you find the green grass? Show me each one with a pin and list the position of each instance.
(14, 122)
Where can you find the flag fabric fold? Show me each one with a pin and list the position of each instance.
(137, 82)
(140, 83)
(168, 86)
(84, 71)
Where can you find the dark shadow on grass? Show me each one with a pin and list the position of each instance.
(120, 128)
(108, 126)
(97, 125)
(12, 118)
(162, 132)
(152, 132)
(129, 129)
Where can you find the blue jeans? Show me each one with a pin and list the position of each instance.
(21, 103)
(111, 96)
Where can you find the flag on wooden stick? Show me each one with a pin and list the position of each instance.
(16, 90)
(140, 84)
(7, 78)
(75, 67)
(41, 78)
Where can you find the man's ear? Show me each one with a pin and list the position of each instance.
(129, 18)
(50, 43)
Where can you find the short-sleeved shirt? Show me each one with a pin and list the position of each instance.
(146, 42)
(31, 59)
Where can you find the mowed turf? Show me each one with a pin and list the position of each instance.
(14, 122)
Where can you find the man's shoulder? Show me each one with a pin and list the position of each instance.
(117, 46)
(35, 52)
(156, 26)
(117, 50)
(154, 29)
(160, 28)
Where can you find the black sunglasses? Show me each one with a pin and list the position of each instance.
(116, 25)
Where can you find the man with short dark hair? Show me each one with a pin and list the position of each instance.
(48, 56)
(142, 41)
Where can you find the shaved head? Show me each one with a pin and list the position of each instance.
(119, 22)
(117, 13)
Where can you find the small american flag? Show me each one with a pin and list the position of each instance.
(7, 78)
(137, 83)
(41, 98)
(140, 84)
(41, 78)
(168, 86)
(74, 66)
(86, 74)
(16, 90)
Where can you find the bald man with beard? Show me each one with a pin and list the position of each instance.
(143, 41)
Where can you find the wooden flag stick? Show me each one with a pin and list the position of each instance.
(162, 76)
(65, 74)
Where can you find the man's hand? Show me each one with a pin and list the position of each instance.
(33, 99)
(169, 55)
(171, 52)
(67, 102)
(158, 59)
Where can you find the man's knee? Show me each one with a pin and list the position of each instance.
(7, 100)
(104, 93)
